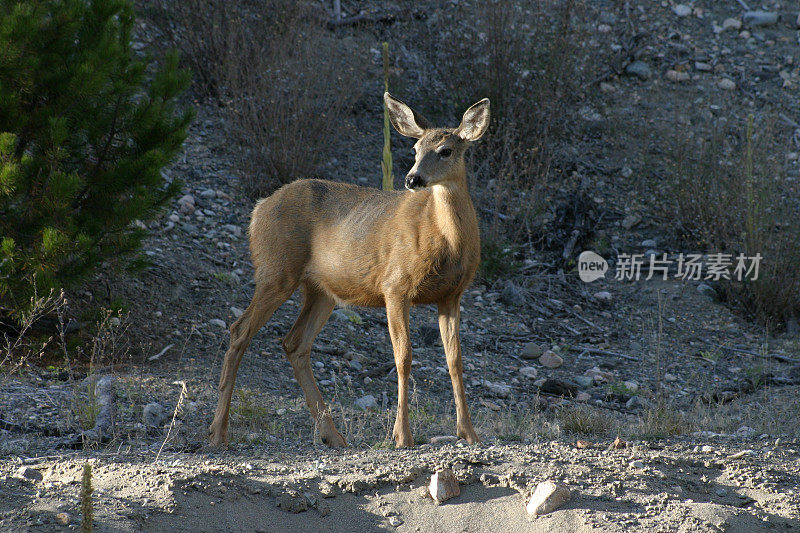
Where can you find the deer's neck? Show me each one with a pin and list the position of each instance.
(454, 215)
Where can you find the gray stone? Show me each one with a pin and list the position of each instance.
(186, 199)
(501, 390)
(633, 403)
(637, 464)
(603, 297)
(640, 69)
(726, 84)
(443, 486)
(731, 24)
(367, 402)
(218, 323)
(529, 372)
(631, 221)
(154, 415)
(237, 312)
(548, 497)
(26, 472)
(292, 501)
(682, 10)
(757, 19)
(512, 294)
(708, 290)
(444, 439)
(551, 359)
(395, 521)
(649, 243)
(208, 194)
(677, 76)
(531, 351)
(355, 365)
(583, 382)
(702, 67)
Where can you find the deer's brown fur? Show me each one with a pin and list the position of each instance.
(361, 246)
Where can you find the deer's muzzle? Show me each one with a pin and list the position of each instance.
(414, 181)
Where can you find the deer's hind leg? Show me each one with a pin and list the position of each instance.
(317, 307)
(271, 291)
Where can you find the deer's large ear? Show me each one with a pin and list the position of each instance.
(404, 119)
(475, 121)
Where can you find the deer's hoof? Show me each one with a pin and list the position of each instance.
(468, 435)
(403, 440)
(217, 437)
(333, 439)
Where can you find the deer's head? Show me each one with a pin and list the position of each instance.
(438, 152)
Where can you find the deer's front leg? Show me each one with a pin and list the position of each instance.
(449, 318)
(397, 317)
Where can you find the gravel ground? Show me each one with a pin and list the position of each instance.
(705, 400)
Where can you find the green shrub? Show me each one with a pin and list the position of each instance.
(85, 129)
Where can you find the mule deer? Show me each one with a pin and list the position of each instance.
(362, 246)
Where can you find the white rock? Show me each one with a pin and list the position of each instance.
(529, 372)
(237, 312)
(218, 322)
(501, 390)
(727, 84)
(631, 385)
(548, 497)
(209, 194)
(551, 359)
(186, 199)
(444, 486)
(603, 297)
(599, 376)
(682, 10)
(367, 402)
(607, 87)
(677, 76)
(731, 24)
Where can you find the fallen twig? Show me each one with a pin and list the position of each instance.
(602, 352)
(159, 354)
(584, 320)
(776, 356)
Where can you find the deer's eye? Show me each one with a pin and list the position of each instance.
(445, 152)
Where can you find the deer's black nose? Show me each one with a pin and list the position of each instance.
(414, 181)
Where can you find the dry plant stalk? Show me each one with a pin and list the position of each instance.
(87, 509)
